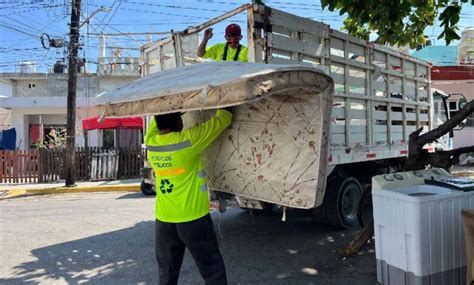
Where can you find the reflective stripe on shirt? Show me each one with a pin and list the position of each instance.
(170, 147)
(170, 172)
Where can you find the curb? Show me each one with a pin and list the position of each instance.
(66, 190)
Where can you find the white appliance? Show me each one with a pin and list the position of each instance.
(419, 236)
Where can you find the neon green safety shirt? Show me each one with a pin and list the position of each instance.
(181, 183)
(216, 52)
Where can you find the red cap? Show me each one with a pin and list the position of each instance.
(233, 30)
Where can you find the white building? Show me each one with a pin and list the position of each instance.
(37, 101)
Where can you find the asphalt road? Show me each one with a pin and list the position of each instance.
(107, 238)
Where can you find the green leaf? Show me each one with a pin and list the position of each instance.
(342, 11)
(398, 22)
(441, 36)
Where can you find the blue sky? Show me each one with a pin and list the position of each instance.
(21, 23)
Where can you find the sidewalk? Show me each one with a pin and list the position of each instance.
(20, 190)
(8, 191)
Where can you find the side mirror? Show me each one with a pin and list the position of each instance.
(462, 103)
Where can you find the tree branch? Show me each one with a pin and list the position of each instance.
(460, 150)
(446, 126)
(419, 158)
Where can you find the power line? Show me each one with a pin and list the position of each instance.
(18, 30)
(19, 6)
(2, 49)
(133, 39)
(101, 21)
(115, 12)
(10, 2)
(42, 29)
(34, 9)
(33, 29)
(175, 6)
(51, 21)
(41, 59)
(130, 34)
(158, 13)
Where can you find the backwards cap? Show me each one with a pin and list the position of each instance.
(233, 30)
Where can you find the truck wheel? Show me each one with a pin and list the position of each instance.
(147, 189)
(341, 202)
(365, 212)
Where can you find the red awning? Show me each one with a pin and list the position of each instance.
(112, 123)
(459, 72)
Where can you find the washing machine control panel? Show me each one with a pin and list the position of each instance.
(408, 178)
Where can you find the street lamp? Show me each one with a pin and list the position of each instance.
(75, 26)
(101, 9)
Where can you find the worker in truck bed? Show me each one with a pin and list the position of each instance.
(231, 50)
(182, 199)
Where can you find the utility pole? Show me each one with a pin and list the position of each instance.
(70, 161)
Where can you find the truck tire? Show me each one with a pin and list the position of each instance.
(147, 189)
(365, 212)
(341, 202)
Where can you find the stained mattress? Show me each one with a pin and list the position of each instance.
(276, 147)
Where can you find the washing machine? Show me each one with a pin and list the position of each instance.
(419, 235)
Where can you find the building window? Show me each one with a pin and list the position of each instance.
(454, 108)
(31, 85)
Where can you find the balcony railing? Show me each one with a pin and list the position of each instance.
(114, 66)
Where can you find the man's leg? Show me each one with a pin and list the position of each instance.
(169, 251)
(200, 239)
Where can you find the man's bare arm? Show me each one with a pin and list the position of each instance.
(202, 47)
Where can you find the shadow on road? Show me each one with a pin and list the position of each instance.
(135, 195)
(256, 249)
(93, 259)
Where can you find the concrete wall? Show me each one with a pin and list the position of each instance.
(6, 88)
(51, 119)
(31, 88)
(23, 117)
(107, 83)
(55, 85)
(87, 85)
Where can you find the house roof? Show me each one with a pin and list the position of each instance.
(438, 55)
